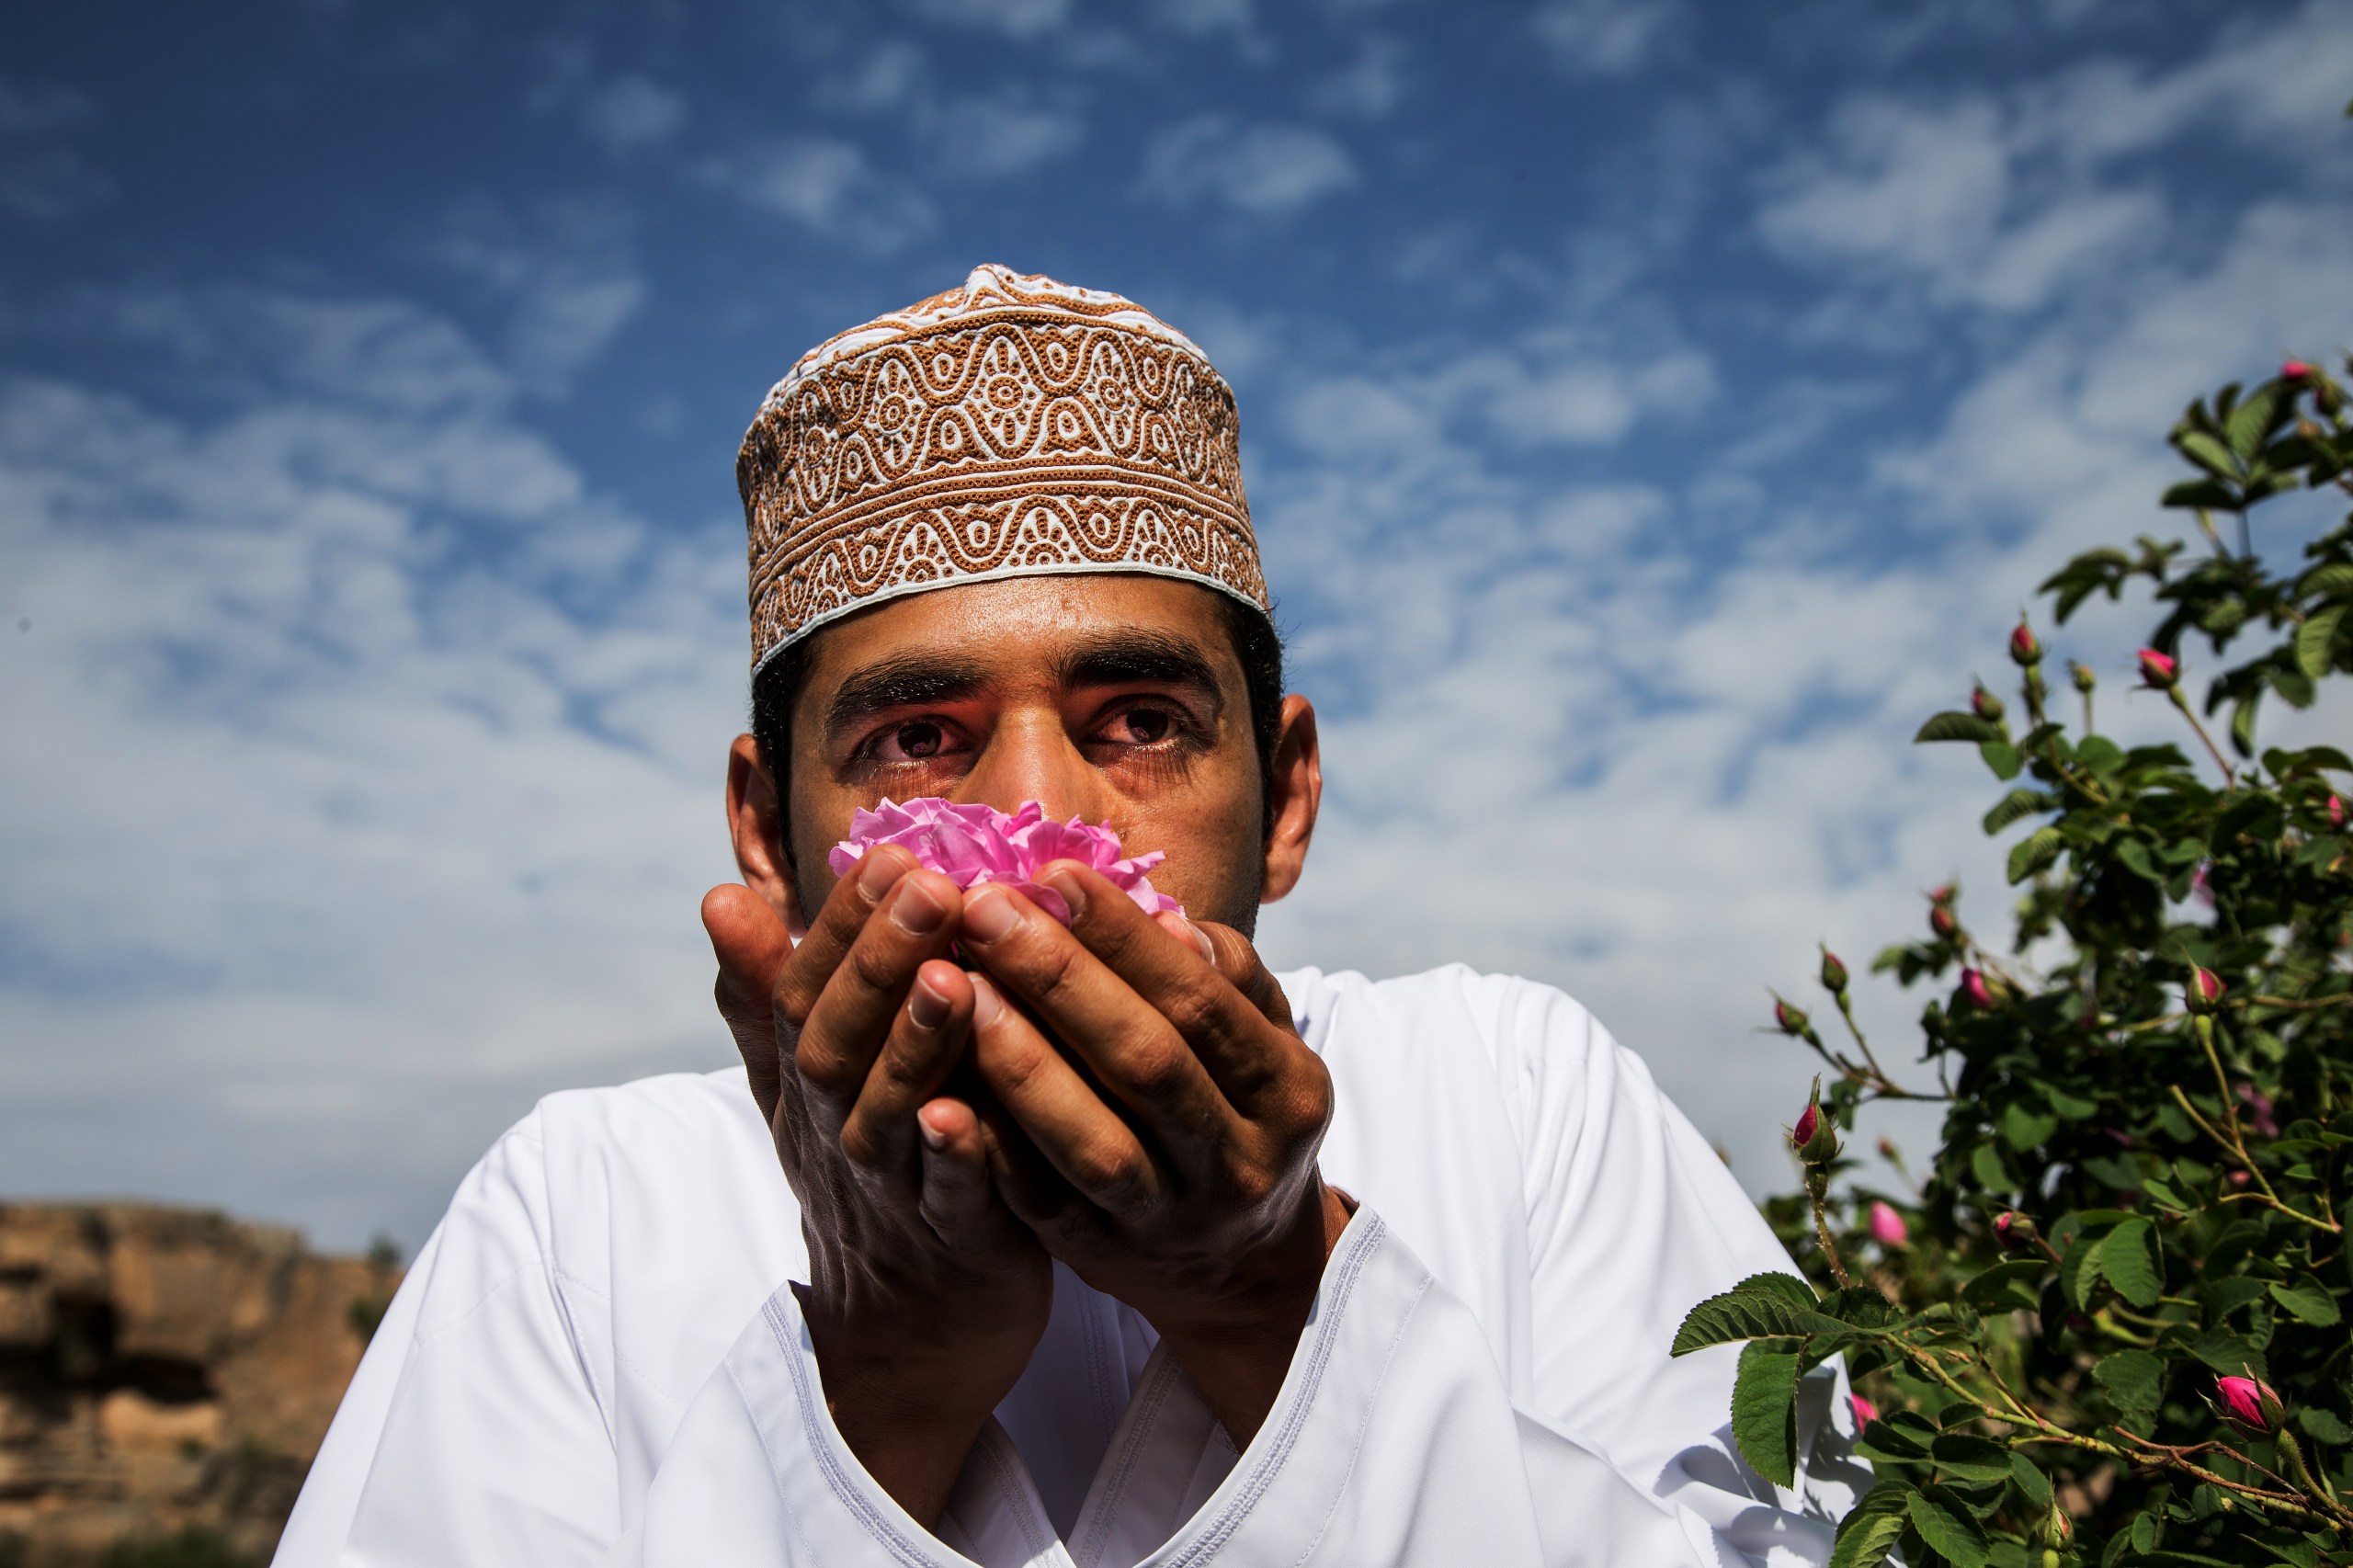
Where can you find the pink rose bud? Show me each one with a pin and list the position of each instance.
(2024, 649)
(2239, 1179)
(2336, 811)
(2249, 1404)
(2012, 1229)
(2294, 370)
(2082, 675)
(1865, 1411)
(1834, 973)
(2204, 990)
(1941, 922)
(2159, 670)
(1788, 1020)
(1808, 1125)
(1888, 1227)
(1985, 705)
(1975, 991)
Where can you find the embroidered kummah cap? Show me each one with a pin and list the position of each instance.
(1011, 426)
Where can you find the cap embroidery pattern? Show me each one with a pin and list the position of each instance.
(1011, 426)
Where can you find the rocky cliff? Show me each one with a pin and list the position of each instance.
(165, 1375)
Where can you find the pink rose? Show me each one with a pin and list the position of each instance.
(2259, 1110)
(1975, 991)
(1888, 1227)
(976, 844)
(2294, 370)
(2249, 1404)
(1865, 1411)
(2336, 811)
(2159, 670)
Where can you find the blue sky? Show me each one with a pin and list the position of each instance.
(1650, 411)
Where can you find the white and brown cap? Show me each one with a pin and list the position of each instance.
(1010, 427)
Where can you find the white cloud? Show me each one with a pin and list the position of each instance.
(632, 112)
(1263, 170)
(831, 187)
(1371, 87)
(995, 138)
(1607, 38)
(564, 272)
(356, 841)
(1014, 18)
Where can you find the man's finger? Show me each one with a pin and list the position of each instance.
(1080, 1136)
(1223, 1010)
(835, 931)
(926, 1039)
(751, 944)
(959, 1201)
(1141, 1060)
(867, 989)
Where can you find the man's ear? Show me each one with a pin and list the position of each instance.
(755, 822)
(1298, 785)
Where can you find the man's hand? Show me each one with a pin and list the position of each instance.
(926, 1296)
(1188, 1187)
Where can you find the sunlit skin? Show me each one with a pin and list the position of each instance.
(1126, 1094)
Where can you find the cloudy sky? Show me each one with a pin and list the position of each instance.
(1651, 411)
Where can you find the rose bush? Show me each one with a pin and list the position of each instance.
(2110, 1325)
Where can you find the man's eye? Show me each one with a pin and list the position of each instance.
(1144, 726)
(915, 741)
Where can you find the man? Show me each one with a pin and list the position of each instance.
(1020, 1243)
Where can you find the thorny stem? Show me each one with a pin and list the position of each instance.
(2230, 774)
(2238, 1149)
(1816, 1190)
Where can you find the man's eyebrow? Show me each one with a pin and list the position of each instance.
(1149, 656)
(910, 680)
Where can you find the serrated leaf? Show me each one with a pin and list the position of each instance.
(1871, 1528)
(2206, 452)
(1763, 1306)
(2309, 1301)
(1964, 1456)
(2324, 1425)
(1949, 1526)
(2035, 851)
(2032, 1484)
(2250, 424)
(1885, 1437)
(1862, 1306)
(1956, 726)
(2334, 578)
(2014, 806)
(1764, 1409)
(2243, 721)
(2006, 1287)
(2316, 640)
(2001, 758)
(2079, 1271)
(2129, 1258)
(2134, 1380)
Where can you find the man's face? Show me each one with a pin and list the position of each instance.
(1114, 697)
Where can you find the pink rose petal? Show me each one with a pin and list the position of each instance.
(971, 845)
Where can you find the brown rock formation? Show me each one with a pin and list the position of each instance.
(164, 1370)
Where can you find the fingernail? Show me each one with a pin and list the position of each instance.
(1073, 894)
(917, 910)
(986, 1004)
(990, 915)
(931, 1139)
(925, 1006)
(876, 872)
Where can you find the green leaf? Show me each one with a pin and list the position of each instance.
(2032, 1484)
(1947, 1523)
(2134, 1380)
(2079, 1271)
(2206, 452)
(1962, 1456)
(2324, 1425)
(1861, 1306)
(2016, 805)
(1871, 1528)
(2006, 1287)
(1763, 1306)
(2022, 1129)
(2251, 422)
(2243, 721)
(2321, 580)
(2309, 1301)
(1956, 726)
(2129, 1258)
(1764, 1409)
(2316, 640)
(2204, 493)
(2002, 759)
(1889, 1436)
(2035, 851)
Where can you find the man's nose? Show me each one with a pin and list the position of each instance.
(1032, 757)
